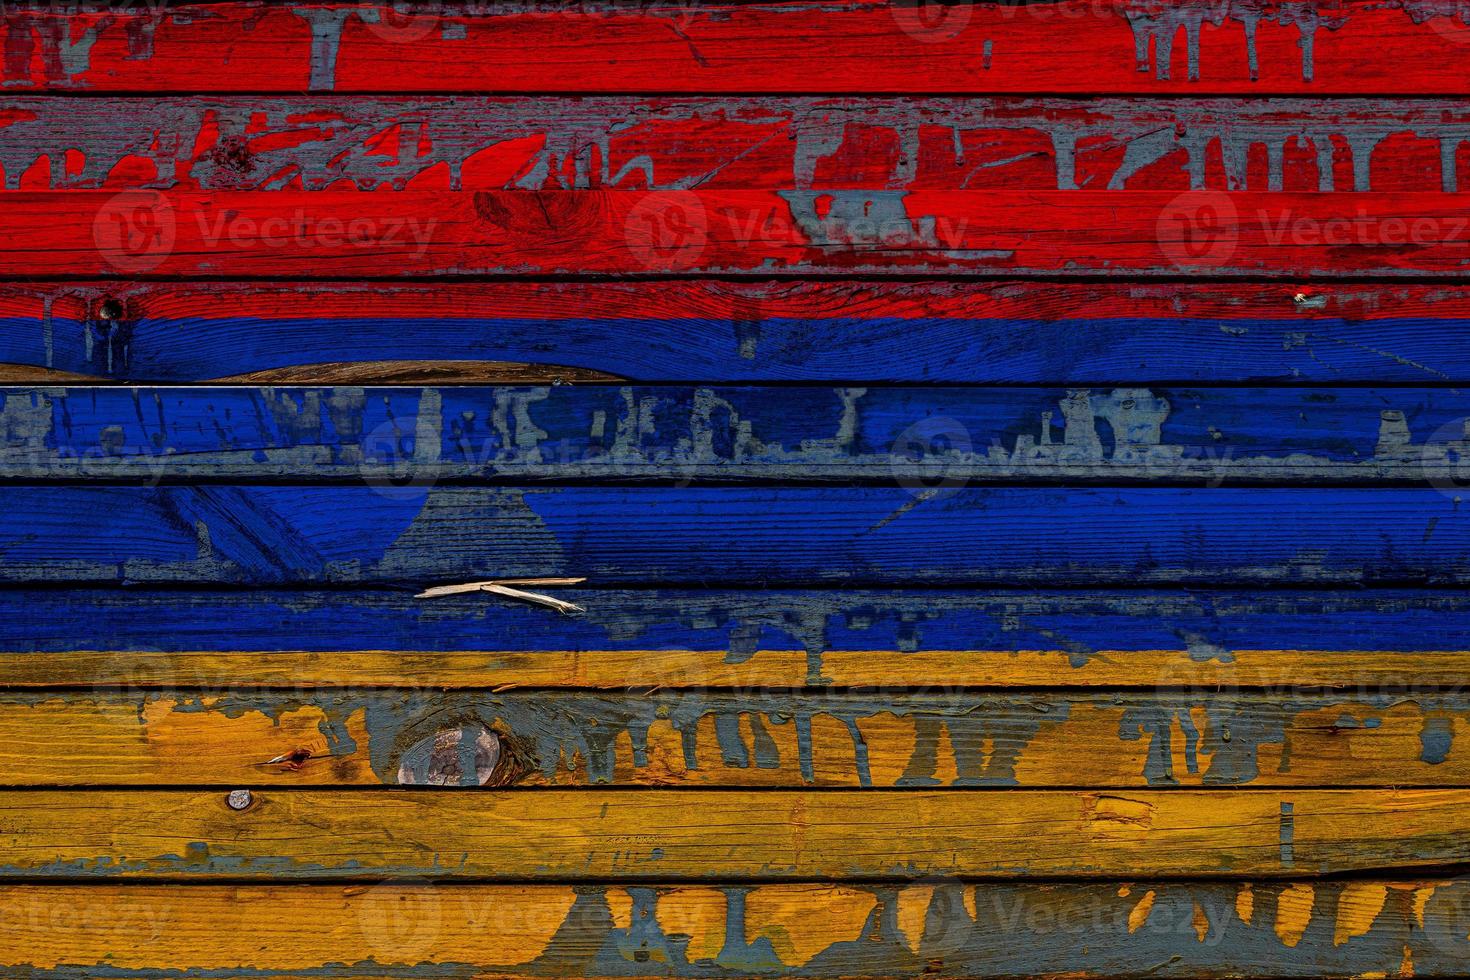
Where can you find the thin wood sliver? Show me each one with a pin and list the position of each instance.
(502, 587)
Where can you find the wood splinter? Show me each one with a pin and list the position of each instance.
(503, 587)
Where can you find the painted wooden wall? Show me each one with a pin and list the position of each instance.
(1009, 464)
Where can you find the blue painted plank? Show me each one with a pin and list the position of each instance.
(918, 436)
(1209, 625)
(260, 535)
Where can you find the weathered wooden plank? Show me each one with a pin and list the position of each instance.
(754, 536)
(921, 437)
(942, 927)
(862, 46)
(1287, 640)
(289, 834)
(802, 143)
(706, 331)
(241, 735)
(335, 233)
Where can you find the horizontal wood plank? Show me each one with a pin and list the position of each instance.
(710, 332)
(554, 834)
(1287, 640)
(1135, 929)
(859, 46)
(799, 143)
(922, 437)
(337, 233)
(751, 537)
(242, 735)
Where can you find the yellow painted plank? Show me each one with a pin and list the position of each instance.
(702, 668)
(721, 738)
(814, 834)
(1120, 929)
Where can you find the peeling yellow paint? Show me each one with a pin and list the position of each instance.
(1294, 913)
(1108, 815)
(620, 904)
(1199, 716)
(913, 906)
(788, 926)
(832, 748)
(1245, 903)
(1421, 898)
(945, 769)
(883, 728)
(699, 914)
(1201, 923)
(1358, 906)
(1139, 915)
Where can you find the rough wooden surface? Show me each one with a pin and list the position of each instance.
(552, 834)
(858, 46)
(767, 737)
(942, 927)
(752, 537)
(797, 143)
(757, 232)
(707, 332)
(839, 264)
(1356, 640)
(925, 437)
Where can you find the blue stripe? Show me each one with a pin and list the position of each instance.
(1079, 350)
(754, 536)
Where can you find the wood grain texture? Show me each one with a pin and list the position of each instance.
(612, 834)
(919, 437)
(1111, 333)
(241, 735)
(337, 233)
(857, 46)
(747, 536)
(731, 143)
(1358, 641)
(943, 927)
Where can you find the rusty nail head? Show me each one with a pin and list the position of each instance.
(239, 799)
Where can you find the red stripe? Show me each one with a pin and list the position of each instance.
(846, 46)
(847, 299)
(348, 233)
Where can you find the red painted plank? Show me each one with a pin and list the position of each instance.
(321, 234)
(1259, 47)
(630, 143)
(190, 303)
